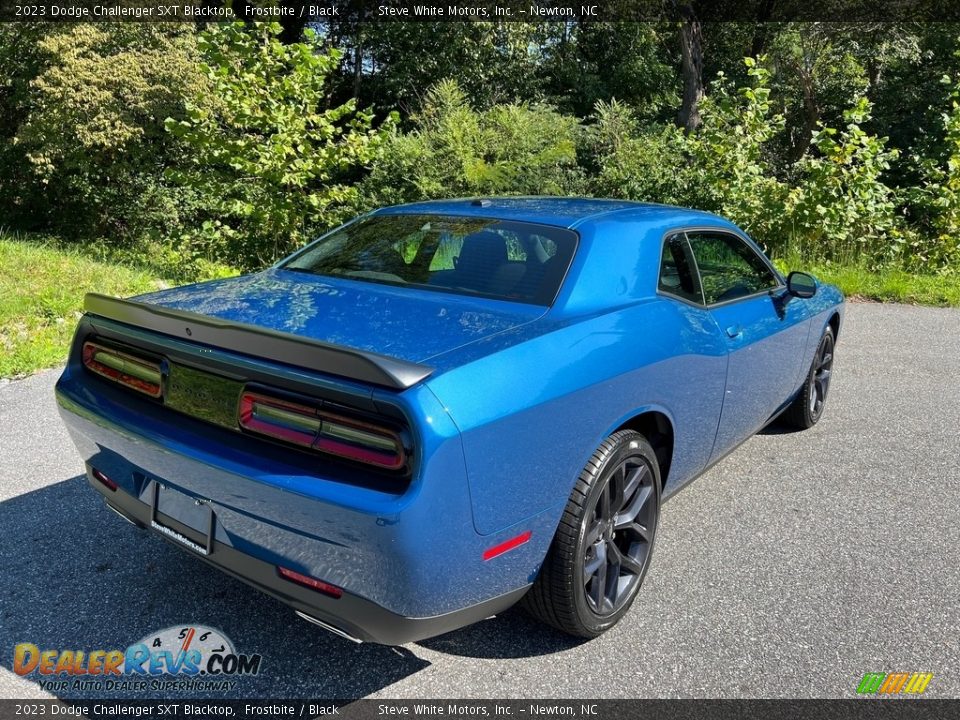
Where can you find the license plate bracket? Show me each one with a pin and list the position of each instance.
(209, 524)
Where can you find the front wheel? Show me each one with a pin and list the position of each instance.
(602, 548)
(807, 409)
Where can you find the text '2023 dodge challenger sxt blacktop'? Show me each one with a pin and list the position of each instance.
(440, 409)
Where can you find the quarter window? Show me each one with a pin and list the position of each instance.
(729, 268)
(678, 276)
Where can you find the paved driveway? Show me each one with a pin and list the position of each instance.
(794, 566)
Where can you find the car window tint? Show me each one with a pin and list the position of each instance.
(524, 262)
(729, 268)
(677, 274)
(451, 246)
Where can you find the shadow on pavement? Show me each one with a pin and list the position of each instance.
(75, 576)
(512, 634)
(779, 427)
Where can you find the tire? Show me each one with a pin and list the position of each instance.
(607, 530)
(807, 408)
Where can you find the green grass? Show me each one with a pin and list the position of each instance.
(41, 297)
(42, 284)
(885, 285)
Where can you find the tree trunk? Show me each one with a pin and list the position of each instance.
(811, 117)
(691, 48)
(357, 63)
(762, 29)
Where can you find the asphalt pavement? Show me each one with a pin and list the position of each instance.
(793, 567)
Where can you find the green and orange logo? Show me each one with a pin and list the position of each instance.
(903, 683)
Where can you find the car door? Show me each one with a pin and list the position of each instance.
(765, 332)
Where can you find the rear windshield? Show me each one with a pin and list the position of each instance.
(522, 262)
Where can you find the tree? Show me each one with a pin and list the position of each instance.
(455, 149)
(391, 65)
(22, 59)
(93, 133)
(585, 63)
(691, 53)
(274, 164)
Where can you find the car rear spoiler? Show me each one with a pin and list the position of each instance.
(261, 342)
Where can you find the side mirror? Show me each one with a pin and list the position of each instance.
(801, 284)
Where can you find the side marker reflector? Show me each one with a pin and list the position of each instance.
(307, 581)
(507, 545)
(111, 485)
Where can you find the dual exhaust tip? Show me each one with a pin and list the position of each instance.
(327, 626)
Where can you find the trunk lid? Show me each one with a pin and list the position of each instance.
(406, 323)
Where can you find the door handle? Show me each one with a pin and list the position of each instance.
(734, 331)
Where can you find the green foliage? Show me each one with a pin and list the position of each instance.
(455, 150)
(273, 163)
(21, 60)
(727, 157)
(842, 209)
(628, 160)
(818, 69)
(723, 167)
(594, 62)
(199, 151)
(93, 136)
(493, 62)
(938, 199)
(837, 208)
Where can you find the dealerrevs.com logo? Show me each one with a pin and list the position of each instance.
(183, 657)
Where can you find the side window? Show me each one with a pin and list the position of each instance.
(677, 274)
(729, 268)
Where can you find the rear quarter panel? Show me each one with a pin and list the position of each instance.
(531, 413)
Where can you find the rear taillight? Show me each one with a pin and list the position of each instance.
(321, 430)
(137, 373)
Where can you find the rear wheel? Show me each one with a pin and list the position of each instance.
(602, 548)
(807, 409)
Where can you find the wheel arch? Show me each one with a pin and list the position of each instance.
(657, 428)
(834, 322)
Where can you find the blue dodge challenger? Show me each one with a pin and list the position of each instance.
(440, 409)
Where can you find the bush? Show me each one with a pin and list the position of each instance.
(729, 170)
(274, 165)
(842, 210)
(722, 167)
(937, 201)
(838, 209)
(454, 150)
(94, 135)
(630, 162)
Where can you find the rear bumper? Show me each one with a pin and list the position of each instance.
(410, 564)
(349, 615)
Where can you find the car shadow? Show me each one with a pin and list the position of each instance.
(75, 576)
(778, 427)
(512, 634)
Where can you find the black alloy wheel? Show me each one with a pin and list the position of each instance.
(822, 369)
(618, 536)
(602, 548)
(807, 408)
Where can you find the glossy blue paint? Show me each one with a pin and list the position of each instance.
(520, 397)
(406, 323)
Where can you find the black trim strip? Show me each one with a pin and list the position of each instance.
(261, 342)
